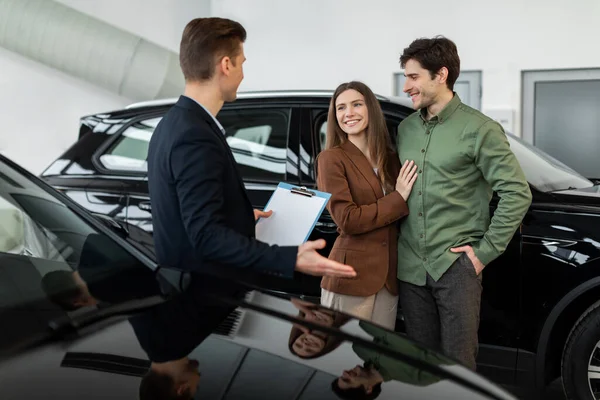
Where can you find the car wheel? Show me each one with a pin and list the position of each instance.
(581, 357)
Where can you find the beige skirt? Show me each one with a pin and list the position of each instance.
(380, 308)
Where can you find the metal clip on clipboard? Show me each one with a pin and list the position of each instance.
(303, 191)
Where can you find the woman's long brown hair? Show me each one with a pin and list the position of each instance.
(379, 142)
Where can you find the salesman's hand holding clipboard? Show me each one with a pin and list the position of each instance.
(295, 211)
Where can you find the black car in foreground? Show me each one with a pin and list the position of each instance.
(540, 316)
(84, 309)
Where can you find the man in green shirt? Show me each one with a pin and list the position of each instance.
(463, 157)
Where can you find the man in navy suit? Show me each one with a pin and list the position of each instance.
(201, 214)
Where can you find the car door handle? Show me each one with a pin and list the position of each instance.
(326, 224)
(325, 227)
(145, 206)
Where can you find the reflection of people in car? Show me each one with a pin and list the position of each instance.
(178, 379)
(67, 290)
(360, 382)
(169, 332)
(307, 343)
(364, 382)
(106, 273)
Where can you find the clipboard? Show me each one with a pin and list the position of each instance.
(296, 211)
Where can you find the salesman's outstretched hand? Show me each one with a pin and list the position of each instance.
(312, 263)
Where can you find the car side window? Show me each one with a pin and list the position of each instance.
(129, 151)
(258, 139)
(321, 128)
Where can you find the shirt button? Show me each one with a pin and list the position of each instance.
(419, 192)
(420, 214)
(421, 235)
(422, 150)
(420, 171)
(424, 258)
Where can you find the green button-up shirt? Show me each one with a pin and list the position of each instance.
(462, 157)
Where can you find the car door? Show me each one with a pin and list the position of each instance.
(77, 175)
(257, 134)
(499, 314)
(96, 194)
(122, 161)
(263, 140)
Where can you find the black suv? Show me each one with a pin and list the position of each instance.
(540, 316)
(82, 312)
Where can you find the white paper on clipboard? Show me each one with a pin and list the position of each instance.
(294, 215)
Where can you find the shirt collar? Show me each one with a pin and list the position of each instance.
(446, 112)
(208, 112)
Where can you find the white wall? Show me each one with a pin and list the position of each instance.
(309, 44)
(40, 109)
(321, 43)
(159, 21)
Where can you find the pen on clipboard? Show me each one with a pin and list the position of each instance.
(303, 191)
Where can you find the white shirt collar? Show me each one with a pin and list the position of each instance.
(208, 112)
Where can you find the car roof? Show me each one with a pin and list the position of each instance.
(404, 101)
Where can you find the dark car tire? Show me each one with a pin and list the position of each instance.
(581, 345)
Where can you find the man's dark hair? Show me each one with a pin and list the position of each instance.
(355, 393)
(204, 42)
(61, 289)
(155, 386)
(433, 54)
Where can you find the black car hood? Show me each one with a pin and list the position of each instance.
(244, 341)
(588, 196)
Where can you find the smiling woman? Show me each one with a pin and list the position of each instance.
(368, 190)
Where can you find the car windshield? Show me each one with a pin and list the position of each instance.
(53, 263)
(544, 172)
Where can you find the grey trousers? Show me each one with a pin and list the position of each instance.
(444, 315)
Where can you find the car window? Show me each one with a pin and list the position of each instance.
(319, 118)
(258, 139)
(130, 150)
(391, 122)
(52, 262)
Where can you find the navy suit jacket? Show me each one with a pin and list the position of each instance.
(202, 218)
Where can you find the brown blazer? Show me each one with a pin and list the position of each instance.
(368, 234)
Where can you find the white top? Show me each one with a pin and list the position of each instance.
(382, 188)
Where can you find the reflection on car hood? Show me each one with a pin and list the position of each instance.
(589, 195)
(242, 340)
(589, 191)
